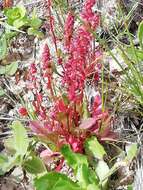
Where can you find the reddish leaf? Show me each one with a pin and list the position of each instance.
(88, 123)
(48, 155)
(38, 128)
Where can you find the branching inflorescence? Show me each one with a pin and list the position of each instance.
(70, 118)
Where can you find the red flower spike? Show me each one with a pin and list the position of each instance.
(68, 29)
(75, 69)
(46, 57)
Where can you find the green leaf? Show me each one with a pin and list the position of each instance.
(9, 145)
(35, 23)
(9, 69)
(102, 171)
(131, 152)
(34, 14)
(64, 97)
(11, 162)
(20, 22)
(74, 159)
(95, 148)
(10, 34)
(55, 181)
(12, 14)
(22, 10)
(2, 70)
(3, 159)
(93, 187)
(15, 13)
(140, 34)
(35, 32)
(79, 163)
(12, 68)
(94, 179)
(9, 28)
(2, 92)
(82, 175)
(21, 140)
(3, 47)
(34, 165)
(62, 4)
(132, 56)
(130, 187)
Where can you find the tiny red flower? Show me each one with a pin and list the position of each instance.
(23, 111)
(33, 68)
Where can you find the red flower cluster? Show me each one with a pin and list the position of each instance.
(34, 83)
(79, 53)
(63, 122)
(33, 86)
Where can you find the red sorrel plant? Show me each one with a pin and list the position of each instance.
(70, 117)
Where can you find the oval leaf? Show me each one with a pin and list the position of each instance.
(73, 159)
(21, 141)
(34, 165)
(87, 123)
(55, 181)
(9, 69)
(12, 68)
(131, 152)
(102, 171)
(94, 147)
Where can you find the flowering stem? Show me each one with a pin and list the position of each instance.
(102, 79)
(51, 25)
